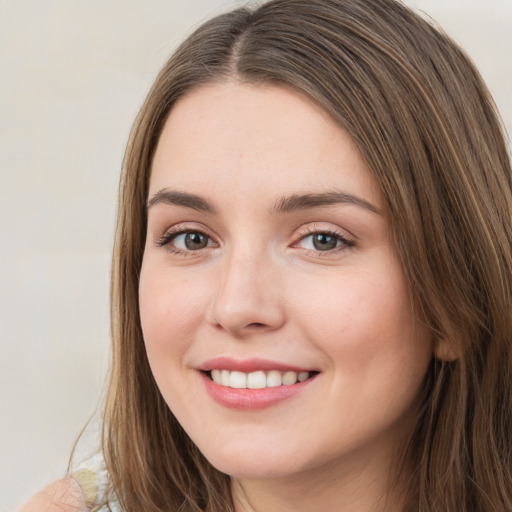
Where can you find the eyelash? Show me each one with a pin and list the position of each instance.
(345, 242)
(168, 237)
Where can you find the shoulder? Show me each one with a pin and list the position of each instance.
(65, 495)
(84, 490)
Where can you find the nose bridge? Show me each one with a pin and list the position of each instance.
(247, 295)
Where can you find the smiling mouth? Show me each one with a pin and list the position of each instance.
(258, 379)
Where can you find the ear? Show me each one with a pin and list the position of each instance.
(446, 351)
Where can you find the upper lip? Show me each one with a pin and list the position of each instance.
(249, 365)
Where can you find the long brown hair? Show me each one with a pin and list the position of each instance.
(425, 123)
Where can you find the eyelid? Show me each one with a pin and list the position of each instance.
(179, 229)
(324, 227)
(348, 241)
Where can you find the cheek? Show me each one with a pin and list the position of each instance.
(377, 354)
(354, 301)
(364, 323)
(171, 307)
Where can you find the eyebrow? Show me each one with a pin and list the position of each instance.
(176, 198)
(305, 201)
(288, 204)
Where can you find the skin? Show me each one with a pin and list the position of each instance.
(62, 496)
(261, 288)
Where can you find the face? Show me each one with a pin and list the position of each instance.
(275, 313)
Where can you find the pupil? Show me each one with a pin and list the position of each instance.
(323, 242)
(194, 241)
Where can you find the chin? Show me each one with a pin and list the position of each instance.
(245, 464)
(244, 470)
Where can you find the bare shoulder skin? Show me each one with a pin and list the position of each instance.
(62, 496)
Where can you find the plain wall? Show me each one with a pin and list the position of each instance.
(72, 77)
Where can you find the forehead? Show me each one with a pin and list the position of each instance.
(227, 137)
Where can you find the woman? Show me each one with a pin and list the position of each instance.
(311, 287)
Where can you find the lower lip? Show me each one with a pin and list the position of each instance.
(252, 399)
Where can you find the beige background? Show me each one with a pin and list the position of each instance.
(73, 74)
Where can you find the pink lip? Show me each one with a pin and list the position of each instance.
(248, 365)
(249, 399)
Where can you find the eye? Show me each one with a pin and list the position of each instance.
(185, 241)
(191, 241)
(324, 241)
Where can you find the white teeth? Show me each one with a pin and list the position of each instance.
(302, 376)
(289, 378)
(238, 380)
(224, 377)
(258, 379)
(274, 379)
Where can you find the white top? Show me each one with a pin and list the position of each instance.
(92, 476)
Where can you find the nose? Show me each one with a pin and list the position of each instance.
(248, 295)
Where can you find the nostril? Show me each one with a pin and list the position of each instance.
(256, 325)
